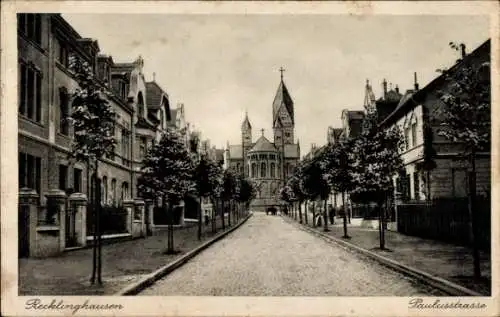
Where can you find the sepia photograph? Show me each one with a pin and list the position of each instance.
(236, 155)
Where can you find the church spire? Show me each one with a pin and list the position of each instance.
(246, 122)
(282, 100)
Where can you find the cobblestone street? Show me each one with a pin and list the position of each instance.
(269, 257)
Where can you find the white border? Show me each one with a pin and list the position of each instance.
(219, 306)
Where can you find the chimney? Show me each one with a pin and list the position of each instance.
(462, 50)
(415, 81)
(384, 87)
(397, 89)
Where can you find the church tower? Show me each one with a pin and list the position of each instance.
(283, 116)
(246, 142)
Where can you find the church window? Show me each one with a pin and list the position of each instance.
(263, 170)
(254, 170)
(273, 175)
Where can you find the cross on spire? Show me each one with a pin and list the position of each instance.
(262, 130)
(281, 71)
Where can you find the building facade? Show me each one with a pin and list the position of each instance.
(418, 117)
(267, 164)
(46, 43)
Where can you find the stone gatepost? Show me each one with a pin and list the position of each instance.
(129, 205)
(139, 224)
(398, 200)
(150, 211)
(183, 208)
(79, 202)
(56, 199)
(28, 206)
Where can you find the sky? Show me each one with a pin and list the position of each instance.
(220, 66)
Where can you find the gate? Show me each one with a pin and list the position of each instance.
(23, 231)
(71, 237)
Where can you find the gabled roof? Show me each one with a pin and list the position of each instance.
(263, 145)
(412, 100)
(154, 95)
(283, 98)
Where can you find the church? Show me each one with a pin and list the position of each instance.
(267, 164)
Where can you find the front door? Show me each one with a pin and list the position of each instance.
(23, 231)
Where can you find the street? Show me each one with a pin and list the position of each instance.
(269, 257)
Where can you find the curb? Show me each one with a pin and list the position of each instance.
(434, 281)
(151, 278)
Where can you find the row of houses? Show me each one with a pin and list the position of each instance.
(416, 112)
(143, 108)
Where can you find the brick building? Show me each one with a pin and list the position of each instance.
(45, 44)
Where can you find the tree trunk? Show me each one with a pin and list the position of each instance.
(344, 216)
(473, 218)
(381, 226)
(229, 214)
(170, 240)
(93, 200)
(215, 205)
(314, 215)
(222, 215)
(199, 219)
(300, 212)
(305, 212)
(325, 218)
(99, 234)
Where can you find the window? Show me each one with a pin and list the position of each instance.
(263, 170)
(416, 186)
(407, 138)
(287, 134)
(30, 25)
(123, 89)
(30, 169)
(125, 147)
(63, 177)
(105, 190)
(414, 134)
(142, 147)
(273, 167)
(254, 170)
(77, 180)
(62, 53)
(63, 111)
(113, 191)
(124, 191)
(140, 111)
(30, 92)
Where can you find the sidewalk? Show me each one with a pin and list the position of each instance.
(123, 263)
(448, 261)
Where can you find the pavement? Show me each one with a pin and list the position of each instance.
(268, 256)
(444, 260)
(124, 263)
